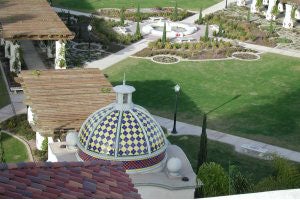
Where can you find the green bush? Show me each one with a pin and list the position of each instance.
(19, 125)
(214, 178)
(286, 176)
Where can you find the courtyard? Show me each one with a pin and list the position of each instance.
(238, 59)
(266, 110)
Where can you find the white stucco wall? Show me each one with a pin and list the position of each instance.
(51, 156)
(30, 115)
(151, 192)
(39, 140)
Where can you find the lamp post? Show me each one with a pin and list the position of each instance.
(226, 4)
(89, 28)
(177, 89)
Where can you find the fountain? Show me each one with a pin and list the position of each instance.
(173, 29)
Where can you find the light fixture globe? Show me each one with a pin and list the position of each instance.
(177, 88)
(71, 138)
(123, 132)
(89, 28)
(174, 165)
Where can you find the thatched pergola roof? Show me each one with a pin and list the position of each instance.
(293, 2)
(63, 99)
(31, 20)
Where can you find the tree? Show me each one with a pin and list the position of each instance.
(175, 12)
(206, 36)
(249, 16)
(2, 155)
(202, 155)
(138, 30)
(122, 16)
(138, 13)
(214, 178)
(200, 19)
(164, 36)
(221, 30)
(69, 19)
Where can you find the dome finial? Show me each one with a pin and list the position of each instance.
(124, 79)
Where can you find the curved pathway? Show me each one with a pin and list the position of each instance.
(24, 142)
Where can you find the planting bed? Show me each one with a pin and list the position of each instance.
(245, 56)
(165, 59)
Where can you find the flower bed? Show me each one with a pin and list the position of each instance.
(245, 56)
(165, 59)
(130, 14)
(212, 49)
(234, 27)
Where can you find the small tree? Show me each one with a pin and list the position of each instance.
(2, 155)
(202, 155)
(175, 12)
(271, 28)
(214, 178)
(206, 36)
(138, 13)
(221, 30)
(122, 16)
(164, 36)
(259, 3)
(68, 18)
(138, 30)
(249, 16)
(200, 19)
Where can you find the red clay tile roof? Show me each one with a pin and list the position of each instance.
(70, 180)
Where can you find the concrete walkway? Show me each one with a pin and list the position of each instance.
(31, 56)
(237, 142)
(7, 111)
(119, 56)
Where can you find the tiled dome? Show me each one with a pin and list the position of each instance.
(123, 132)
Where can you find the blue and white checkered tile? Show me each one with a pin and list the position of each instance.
(90, 124)
(103, 140)
(132, 141)
(155, 135)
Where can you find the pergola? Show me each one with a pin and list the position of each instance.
(289, 7)
(61, 100)
(31, 20)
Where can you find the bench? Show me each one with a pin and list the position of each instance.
(16, 89)
(256, 150)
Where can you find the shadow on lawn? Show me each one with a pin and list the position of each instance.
(75, 4)
(159, 97)
(277, 122)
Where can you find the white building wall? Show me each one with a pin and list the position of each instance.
(51, 156)
(152, 192)
(30, 115)
(39, 140)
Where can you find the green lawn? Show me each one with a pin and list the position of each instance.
(14, 150)
(4, 99)
(92, 5)
(224, 155)
(268, 109)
